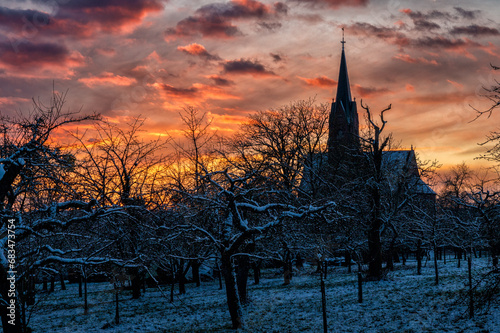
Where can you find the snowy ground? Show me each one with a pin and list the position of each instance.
(403, 302)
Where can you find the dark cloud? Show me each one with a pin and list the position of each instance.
(281, 8)
(245, 66)
(400, 37)
(271, 26)
(391, 34)
(333, 3)
(206, 26)
(434, 14)
(475, 30)
(422, 21)
(370, 91)
(441, 42)
(425, 25)
(108, 14)
(77, 18)
(179, 92)
(276, 57)
(82, 18)
(216, 20)
(23, 20)
(220, 81)
(235, 9)
(467, 14)
(28, 54)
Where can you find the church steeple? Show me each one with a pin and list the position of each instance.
(344, 124)
(343, 87)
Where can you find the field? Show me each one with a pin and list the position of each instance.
(402, 302)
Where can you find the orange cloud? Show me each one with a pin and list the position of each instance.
(229, 119)
(197, 50)
(107, 78)
(12, 100)
(321, 81)
(410, 87)
(409, 59)
(456, 84)
(194, 49)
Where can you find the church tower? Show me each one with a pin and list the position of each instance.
(343, 122)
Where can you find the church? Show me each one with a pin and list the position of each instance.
(344, 144)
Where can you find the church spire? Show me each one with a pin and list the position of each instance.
(344, 125)
(343, 87)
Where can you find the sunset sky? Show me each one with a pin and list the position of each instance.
(429, 59)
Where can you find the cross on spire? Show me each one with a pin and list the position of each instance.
(343, 41)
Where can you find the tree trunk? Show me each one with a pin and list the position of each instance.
(323, 305)
(471, 289)
(233, 300)
(63, 284)
(348, 261)
(299, 261)
(360, 285)
(242, 278)
(86, 304)
(390, 263)
(195, 268)
(395, 256)
(117, 309)
(136, 282)
(419, 257)
(375, 250)
(390, 254)
(436, 264)
(172, 287)
(181, 276)
(494, 253)
(80, 289)
(287, 275)
(220, 273)
(52, 283)
(256, 271)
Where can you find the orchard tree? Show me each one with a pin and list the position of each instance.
(243, 209)
(120, 168)
(284, 143)
(30, 161)
(376, 144)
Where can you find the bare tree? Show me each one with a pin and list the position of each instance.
(30, 162)
(120, 168)
(243, 210)
(376, 146)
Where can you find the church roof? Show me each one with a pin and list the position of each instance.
(404, 163)
(395, 164)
